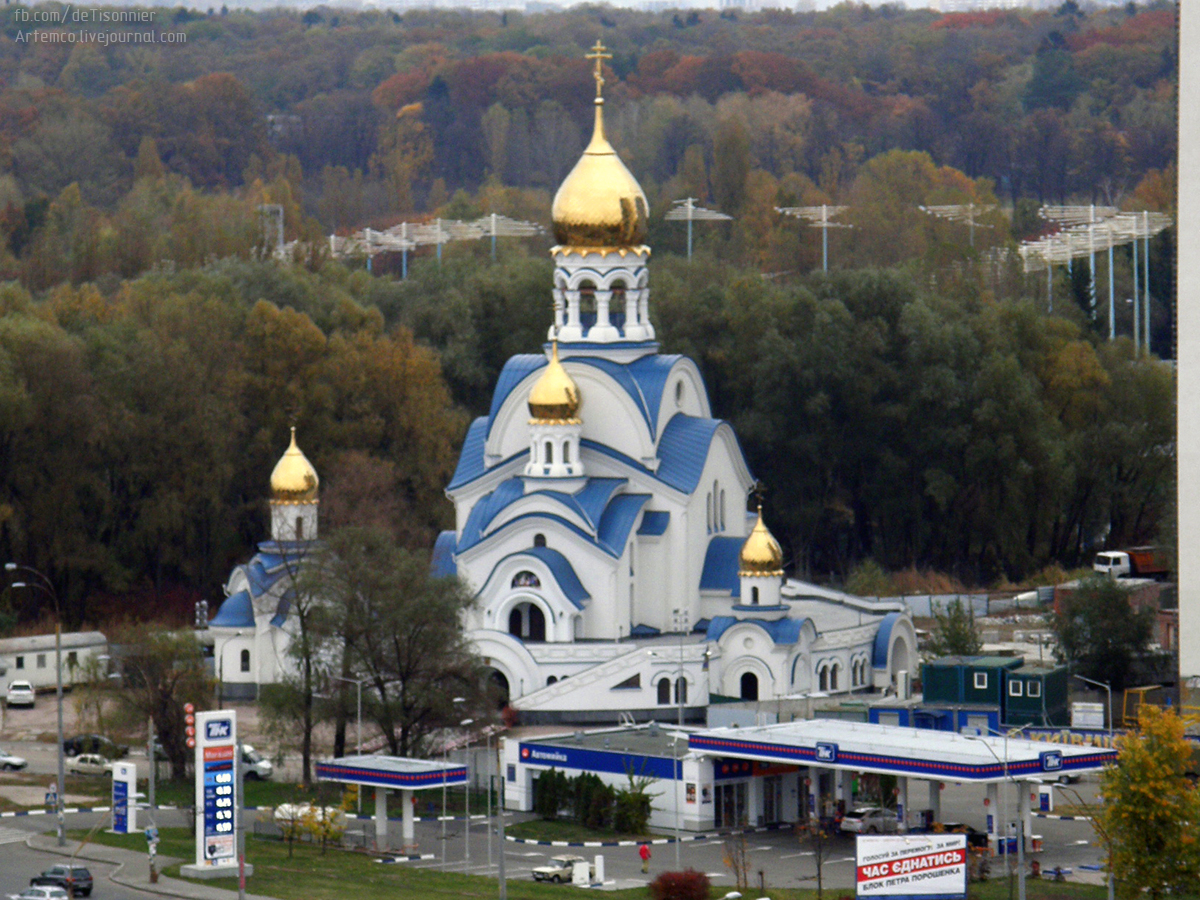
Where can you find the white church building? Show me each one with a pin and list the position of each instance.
(600, 518)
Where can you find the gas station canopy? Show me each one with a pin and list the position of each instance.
(895, 750)
(395, 772)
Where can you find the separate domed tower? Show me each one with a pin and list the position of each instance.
(601, 286)
(554, 426)
(294, 502)
(760, 567)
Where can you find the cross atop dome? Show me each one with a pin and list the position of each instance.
(599, 56)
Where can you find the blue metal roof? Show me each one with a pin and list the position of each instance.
(683, 450)
(470, 460)
(590, 500)
(655, 522)
(782, 631)
(883, 638)
(562, 570)
(720, 572)
(237, 611)
(618, 519)
(516, 370)
(442, 564)
(282, 608)
(643, 631)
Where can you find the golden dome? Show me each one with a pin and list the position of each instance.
(554, 397)
(294, 479)
(600, 203)
(761, 555)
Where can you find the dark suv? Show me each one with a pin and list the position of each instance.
(72, 879)
(94, 743)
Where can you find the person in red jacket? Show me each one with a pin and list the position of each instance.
(644, 853)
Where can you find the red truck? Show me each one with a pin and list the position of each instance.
(1135, 562)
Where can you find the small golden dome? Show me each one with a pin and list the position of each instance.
(294, 479)
(554, 397)
(600, 203)
(761, 555)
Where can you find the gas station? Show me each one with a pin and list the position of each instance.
(395, 773)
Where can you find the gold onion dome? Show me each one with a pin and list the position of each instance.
(761, 554)
(294, 479)
(555, 396)
(600, 203)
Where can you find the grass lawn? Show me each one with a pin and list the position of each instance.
(309, 875)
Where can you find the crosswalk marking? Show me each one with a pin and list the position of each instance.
(12, 835)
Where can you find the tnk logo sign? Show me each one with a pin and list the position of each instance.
(217, 729)
(826, 753)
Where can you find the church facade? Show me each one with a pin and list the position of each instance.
(601, 511)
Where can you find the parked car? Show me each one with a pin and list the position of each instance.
(562, 868)
(976, 839)
(94, 743)
(67, 878)
(254, 766)
(10, 761)
(20, 693)
(870, 820)
(89, 764)
(41, 892)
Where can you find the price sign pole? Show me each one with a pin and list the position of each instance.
(216, 806)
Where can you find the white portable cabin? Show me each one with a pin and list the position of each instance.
(32, 658)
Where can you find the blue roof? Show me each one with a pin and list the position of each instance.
(470, 460)
(442, 564)
(237, 611)
(655, 522)
(590, 500)
(683, 450)
(883, 637)
(282, 608)
(516, 370)
(562, 570)
(643, 380)
(643, 631)
(618, 519)
(782, 631)
(720, 572)
(487, 508)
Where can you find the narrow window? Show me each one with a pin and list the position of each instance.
(981, 681)
(722, 509)
(680, 690)
(20, 662)
(664, 691)
(834, 671)
(749, 686)
(245, 660)
(549, 454)
(41, 661)
(1035, 689)
(539, 540)
(1015, 689)
(754, 596)
(566, 454)
(299, 528)
(553, 679)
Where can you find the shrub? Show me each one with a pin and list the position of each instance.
(686, 885)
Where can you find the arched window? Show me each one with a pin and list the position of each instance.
(754, 596)
(553, 679)
(299, 528)
(587, 303)
(833, 676)
(516, 623)
(245, 660)
(664, 691)
(823, 678)
(549, 460)
(566, 453)
(539, 540)
(537, 624)
(722, 508)
(680, 690)
(749, 686)
(708, 507)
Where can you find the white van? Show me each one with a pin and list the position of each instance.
(254, 766)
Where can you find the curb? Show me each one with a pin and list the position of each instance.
(683, 839)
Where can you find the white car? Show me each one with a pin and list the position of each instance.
(40, 892)
(562, 868)
(89, 764)
(10, 761)
(20, 693)
(870, 820)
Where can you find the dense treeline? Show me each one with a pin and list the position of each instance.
(888, 420)
(383, 113)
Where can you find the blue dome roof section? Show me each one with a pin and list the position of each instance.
(516, 370)
(562, 570)
(720, 572)
(470, 460)
(618, 519)
(655, 522)
(442, 564)
(883, 639)
(590, 500)
(683, 450)
(488, 507)
(237, 611)
(782, 631)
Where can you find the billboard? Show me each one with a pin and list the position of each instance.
(912, 866)
(216, 774)
(124, 788)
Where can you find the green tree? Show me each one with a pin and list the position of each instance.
(1099, 632)
(1151, 809)
(954, 631)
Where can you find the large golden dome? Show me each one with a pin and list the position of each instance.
(294, 479)
(555, 397)
(761, 555)
(600, 203)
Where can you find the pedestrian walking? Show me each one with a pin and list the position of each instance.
(644, 853)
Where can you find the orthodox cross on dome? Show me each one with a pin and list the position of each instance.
(757, 490)
(599, 56)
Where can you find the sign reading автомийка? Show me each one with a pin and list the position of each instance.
(912, 865)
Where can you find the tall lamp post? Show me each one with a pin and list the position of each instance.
(1108, 690)
(1004, 806)
(46, 586)
(358, 683)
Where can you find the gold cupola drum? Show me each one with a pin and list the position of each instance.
(294, 488)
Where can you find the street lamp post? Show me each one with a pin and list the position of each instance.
(1020, 817)
(467, 810)
(46, 586)
(358, 683)
(1108, 690)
